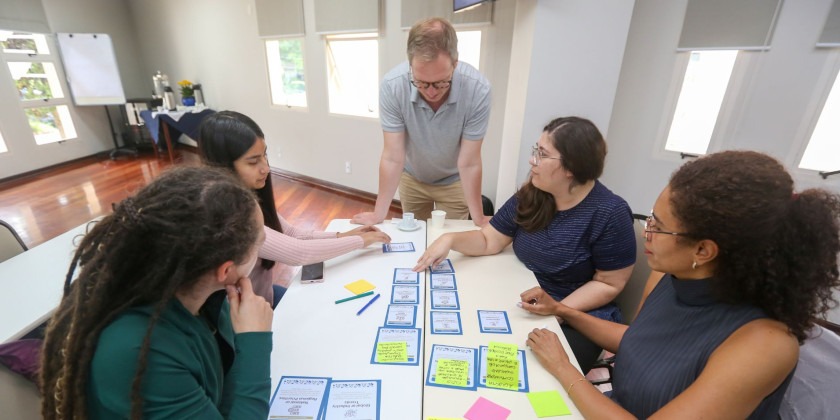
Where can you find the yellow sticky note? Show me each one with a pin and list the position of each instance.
(548, 404)
(452, 372)
(392, 351)
(502, 366)
(359, 286)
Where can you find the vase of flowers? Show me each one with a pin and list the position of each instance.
(187, 93)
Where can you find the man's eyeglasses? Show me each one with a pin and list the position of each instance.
(443, 84)
(650, 229)
(537, 155)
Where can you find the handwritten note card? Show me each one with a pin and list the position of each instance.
(452, 372)
(392, 351)
(502, 366)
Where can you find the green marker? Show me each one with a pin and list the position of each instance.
(355, 297)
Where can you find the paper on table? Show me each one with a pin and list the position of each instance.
(484, 409)
(359, 286)
(502, 366)
(298, 397)
(392, 351)
(452, 372)
(358, 399)
(482, 369)
(441, 352)
(548, 404)
(443, 281)
(409, 336)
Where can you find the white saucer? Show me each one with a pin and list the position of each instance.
(411, 229)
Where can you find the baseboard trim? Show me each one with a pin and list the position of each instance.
(334, 188)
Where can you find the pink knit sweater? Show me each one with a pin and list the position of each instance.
(296, 246)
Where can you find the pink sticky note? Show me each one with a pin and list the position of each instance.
(484, 409)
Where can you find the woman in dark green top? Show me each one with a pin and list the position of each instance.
(162, 321)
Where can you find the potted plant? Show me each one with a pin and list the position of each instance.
(187, 93)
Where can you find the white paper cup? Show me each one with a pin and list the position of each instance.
(438, 217)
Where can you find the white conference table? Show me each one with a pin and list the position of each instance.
(491, 283)
(33, 283)
(314, 336)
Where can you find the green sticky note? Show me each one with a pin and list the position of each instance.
(502, 366)
(392, 351)
(452, 372)
(548, 404)
(503, 349)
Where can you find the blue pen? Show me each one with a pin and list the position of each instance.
(368, 304)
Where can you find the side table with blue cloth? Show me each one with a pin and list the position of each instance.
(183, 122)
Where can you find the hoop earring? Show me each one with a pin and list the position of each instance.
(694, 265)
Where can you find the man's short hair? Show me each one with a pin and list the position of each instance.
(430, 37)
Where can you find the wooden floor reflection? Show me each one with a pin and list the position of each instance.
(44, 206)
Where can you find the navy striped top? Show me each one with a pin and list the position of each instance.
(595, 234)
(668, 344)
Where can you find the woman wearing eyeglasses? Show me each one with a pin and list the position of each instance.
(750, 264)
(234, 141)
(568, 228)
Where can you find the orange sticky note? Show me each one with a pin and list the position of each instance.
(359, 286)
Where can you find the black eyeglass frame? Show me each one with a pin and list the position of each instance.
(440, 84)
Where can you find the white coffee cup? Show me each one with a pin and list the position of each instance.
(438, 217)
(407, 221)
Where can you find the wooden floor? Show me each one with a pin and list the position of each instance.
(43, 206)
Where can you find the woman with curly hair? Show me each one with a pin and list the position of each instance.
(235, 142)
(749, 262)
(146, 331)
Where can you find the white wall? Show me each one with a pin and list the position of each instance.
(101, 16)
(220, 49)
(573, 64)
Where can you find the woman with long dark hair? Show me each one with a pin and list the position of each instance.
(234, 141)
(145, 331)
(750, 264)
(568, 228)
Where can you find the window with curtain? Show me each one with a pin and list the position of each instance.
(700, 98)
(286, 75)
(32, 65)
(353, 74)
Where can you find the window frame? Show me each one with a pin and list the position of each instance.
(38, 57)
(360, 36)
(306, 73)
(726, 117)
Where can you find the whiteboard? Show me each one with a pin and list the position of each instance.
(91, 69)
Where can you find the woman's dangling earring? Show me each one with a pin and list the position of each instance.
(694, 265)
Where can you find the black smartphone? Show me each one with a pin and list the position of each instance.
(312, 273)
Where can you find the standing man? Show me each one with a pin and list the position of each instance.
(434, 113)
